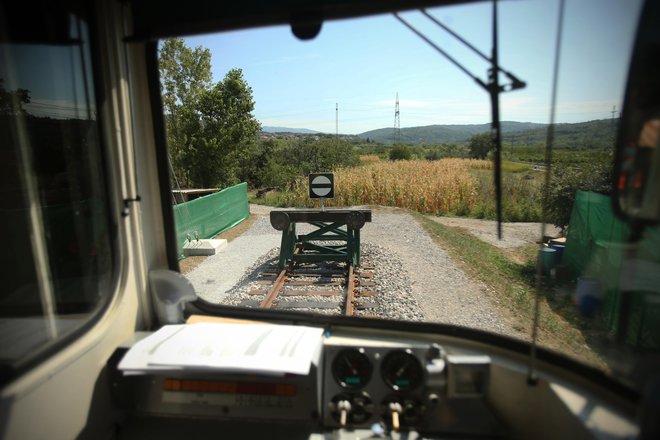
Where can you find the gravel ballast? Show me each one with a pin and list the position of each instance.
(417, 281)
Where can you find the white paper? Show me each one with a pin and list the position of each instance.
(246, 348)
(136, 360)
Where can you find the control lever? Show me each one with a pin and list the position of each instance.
(344, 406)
(396, 409)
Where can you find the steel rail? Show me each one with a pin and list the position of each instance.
(350, 292)
(274, 291)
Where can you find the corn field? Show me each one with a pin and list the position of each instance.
(434, 187)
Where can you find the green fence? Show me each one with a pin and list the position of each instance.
(211, 215)
(596, 247)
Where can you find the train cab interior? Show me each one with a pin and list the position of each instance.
(90, 267)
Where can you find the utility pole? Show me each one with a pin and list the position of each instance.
(336, 120)
(613, 125)
(397, 120)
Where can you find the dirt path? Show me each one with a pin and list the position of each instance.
(513, 234)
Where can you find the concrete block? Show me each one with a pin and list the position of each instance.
(204, 247)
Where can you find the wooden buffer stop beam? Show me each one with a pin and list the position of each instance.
(336, 238)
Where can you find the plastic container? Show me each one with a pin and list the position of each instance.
(548, 259)
(588, 296)
(560, 251)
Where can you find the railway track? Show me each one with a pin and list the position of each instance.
(323, 287)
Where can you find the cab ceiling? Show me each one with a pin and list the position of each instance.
(154, 19)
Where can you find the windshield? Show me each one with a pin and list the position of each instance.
(352, 173)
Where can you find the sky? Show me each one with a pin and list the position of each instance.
(362, 64)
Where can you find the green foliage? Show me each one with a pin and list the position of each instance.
(278, 163)
(566, 180)
(437, 152)
(400, 152)
(433, 154)
(11, 101)
(210, 128)
(521, 200)
(318, 156)
(480, 145)
(560, 155)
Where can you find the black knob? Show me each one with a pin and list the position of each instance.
(435, 351)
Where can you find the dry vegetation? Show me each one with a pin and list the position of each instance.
(443, 186)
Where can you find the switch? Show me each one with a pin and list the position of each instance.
(343, 406)
(395, 409)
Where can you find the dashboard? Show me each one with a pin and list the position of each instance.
(363, 384)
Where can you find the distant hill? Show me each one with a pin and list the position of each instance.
(585, 134)
(438, 134)
(592, 134)
(268, 129)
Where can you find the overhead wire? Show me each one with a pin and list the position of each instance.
(532, 376)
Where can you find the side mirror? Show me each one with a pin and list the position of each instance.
(637, 167)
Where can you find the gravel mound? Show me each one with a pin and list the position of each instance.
(416, 280)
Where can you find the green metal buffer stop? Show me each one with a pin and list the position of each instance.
(336, 238)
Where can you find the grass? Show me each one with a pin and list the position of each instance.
(521, 195)
(511, 279)
(515, 167)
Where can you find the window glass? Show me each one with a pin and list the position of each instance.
(57, 257)
(407, 135)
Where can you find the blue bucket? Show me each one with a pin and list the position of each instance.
(587, 295)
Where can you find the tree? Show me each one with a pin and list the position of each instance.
(208, 125)
(400, 152)
(228, 127)
(480, 145)
(433, 153)
(185, 74)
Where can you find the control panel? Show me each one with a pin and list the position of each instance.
(401, 386)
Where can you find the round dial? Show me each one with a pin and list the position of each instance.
(401, 370)
(352, 368)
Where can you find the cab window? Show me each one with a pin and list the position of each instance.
(58, 253)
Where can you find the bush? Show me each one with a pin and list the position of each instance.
(565, 182)
(480, 145)
(400, 152)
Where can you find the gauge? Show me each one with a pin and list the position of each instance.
(352, 368)
(401, 370)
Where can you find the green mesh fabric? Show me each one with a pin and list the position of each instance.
(594, 233)
(597, 246)
(211, 215)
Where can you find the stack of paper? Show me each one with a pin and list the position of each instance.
(240, 348)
